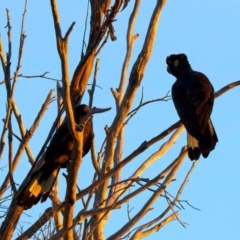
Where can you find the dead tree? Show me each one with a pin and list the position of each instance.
(108, 190)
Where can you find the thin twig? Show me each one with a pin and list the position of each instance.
(166, 98)
(20, 49)
(85, 30)
(91, 92)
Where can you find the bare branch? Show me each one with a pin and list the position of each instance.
(226, 88)
(91, 92)
(22, 129)
(68, 32)
(130, 43)
(20, 49)
(84, 68)
(158, 154)
(2, 57)
(6, 67)
(39, 76)
(141, 234)
(62, 46)
(85, 29)
(26, 139)
(94, 159)
(147, 205)
(134, 82)
(5, 127)
(34, 76)
(125, 161)
(167, 97)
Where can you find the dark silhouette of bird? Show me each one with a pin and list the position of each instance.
(193, 97)
(58, 155)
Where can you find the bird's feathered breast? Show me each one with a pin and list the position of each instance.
(193, 97)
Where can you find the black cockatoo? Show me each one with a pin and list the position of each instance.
(193, 97)
(57, 156)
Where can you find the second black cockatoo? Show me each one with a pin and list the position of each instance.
(193, 97)
(57, 156)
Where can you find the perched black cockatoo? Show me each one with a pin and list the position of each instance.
(193, 97)
(58, 154)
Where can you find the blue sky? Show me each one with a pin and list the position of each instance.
(207, 31)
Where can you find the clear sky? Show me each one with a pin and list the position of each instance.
(208, 32)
